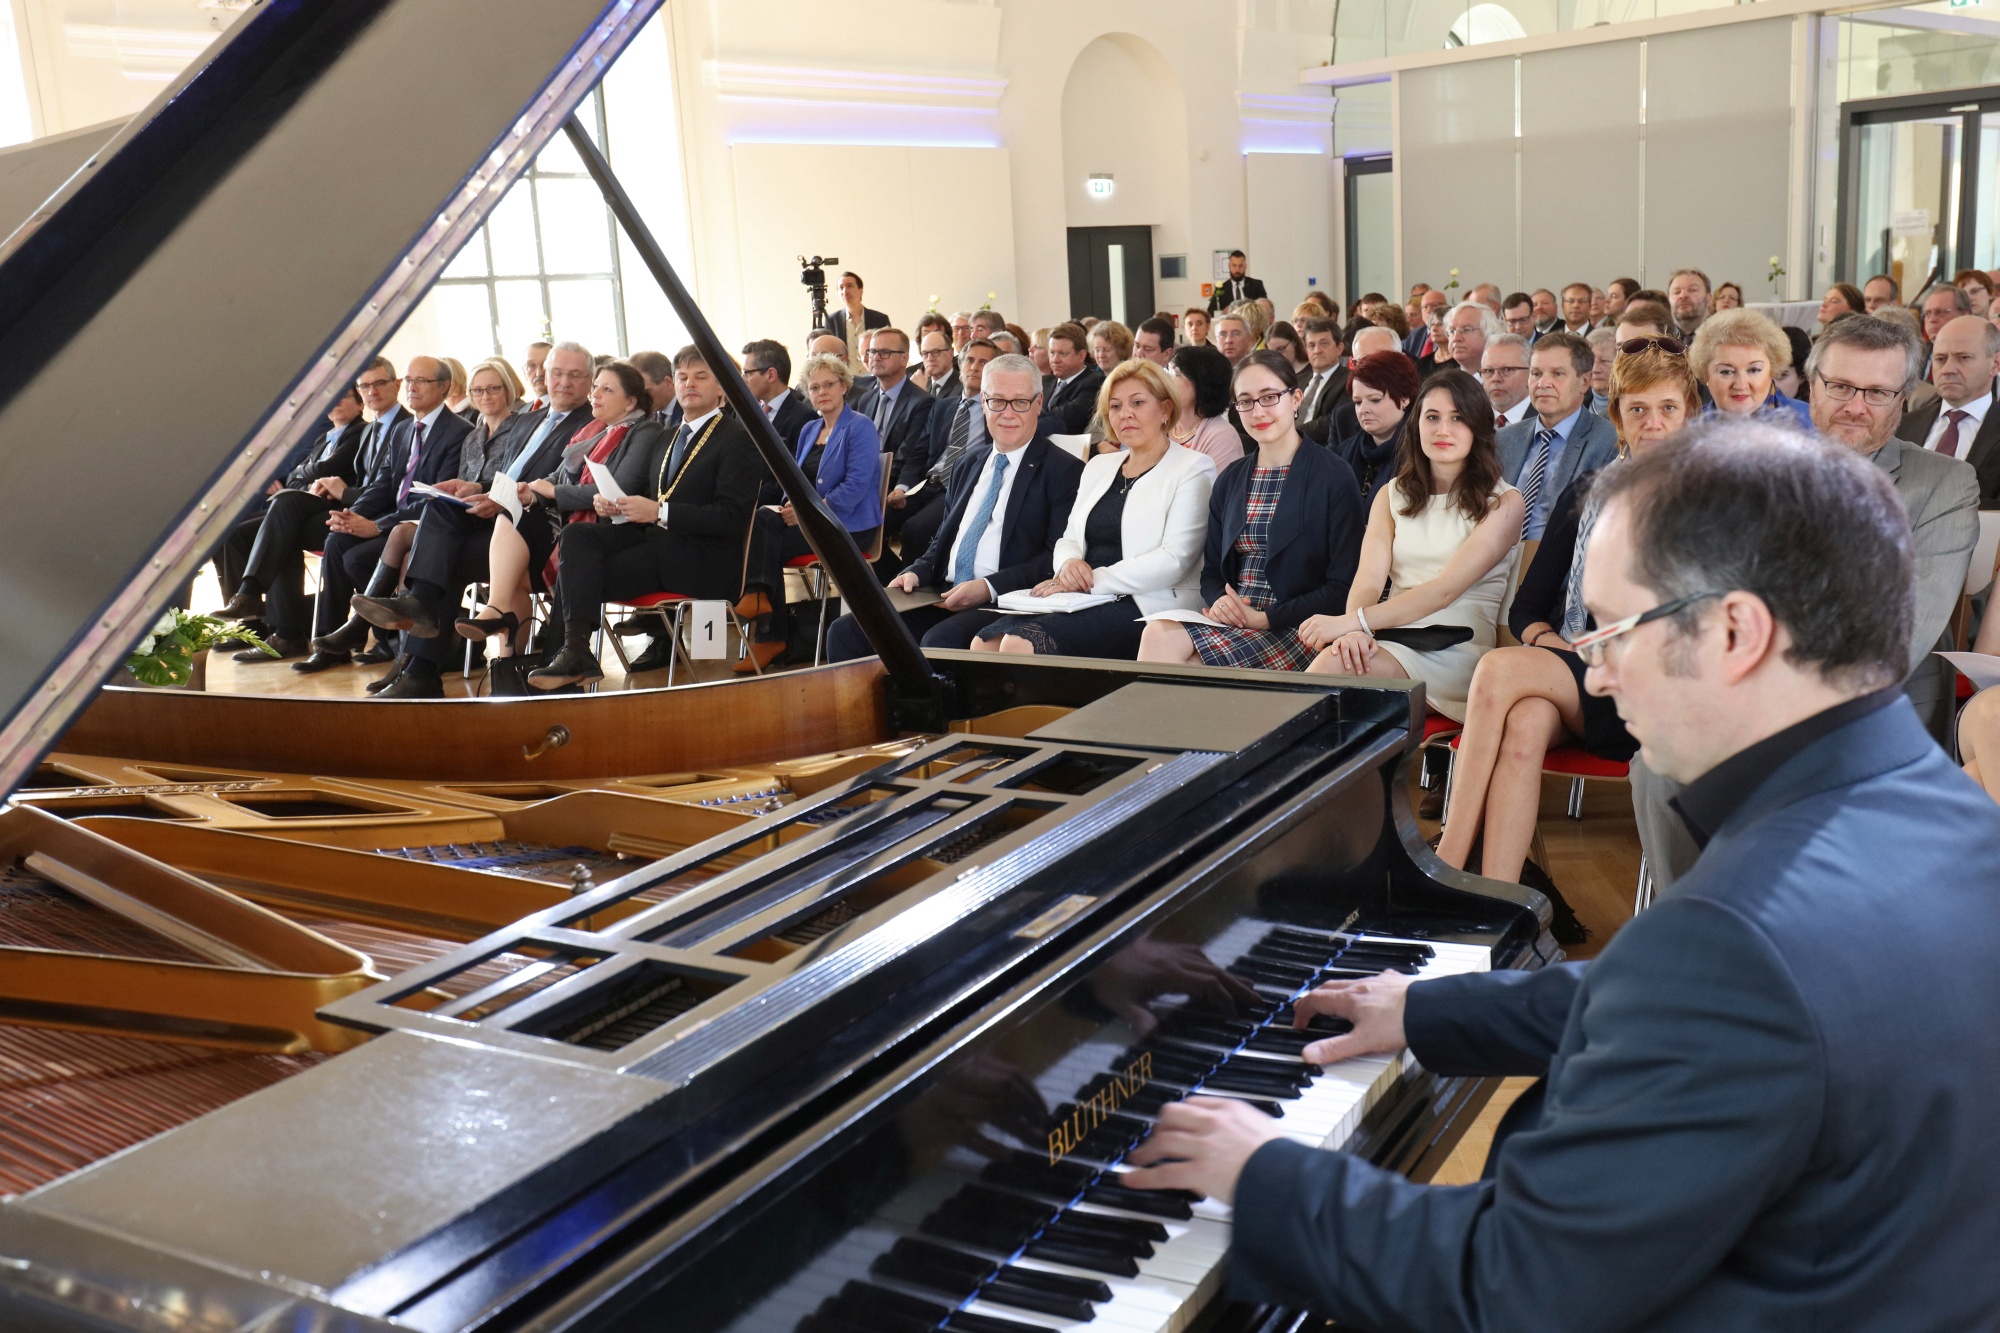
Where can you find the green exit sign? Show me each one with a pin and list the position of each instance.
(1964, 4)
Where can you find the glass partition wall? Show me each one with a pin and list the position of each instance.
(1920, 187)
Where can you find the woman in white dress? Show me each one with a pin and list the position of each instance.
(1441, 537)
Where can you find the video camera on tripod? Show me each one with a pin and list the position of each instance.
(812, 272)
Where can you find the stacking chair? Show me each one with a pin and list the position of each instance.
(672, 607)
(809, 566)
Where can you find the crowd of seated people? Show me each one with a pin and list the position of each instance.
(1403, 493)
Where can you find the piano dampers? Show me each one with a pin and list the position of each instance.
(614, 1015)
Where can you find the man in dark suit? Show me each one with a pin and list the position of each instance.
(1009, 500)
(425, 448)
(767, 369)
(1559, 440)
(1237, 286)
(848, 322)
(956, 425)
(272, 586)
(686, 538)
(1072, 395)
(1325, 389)
(1961, 423)
(940, 366)
(452, 540)
(332, 454)
(1755, 1113)
(902, 416)
(1425, 343)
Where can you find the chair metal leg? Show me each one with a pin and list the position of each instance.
(1642, 897)
(1575, 810)
(743, 642)
(825, 594)
(675, 624)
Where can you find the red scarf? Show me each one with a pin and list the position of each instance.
(606, 445)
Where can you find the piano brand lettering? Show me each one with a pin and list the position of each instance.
(1091, 1113)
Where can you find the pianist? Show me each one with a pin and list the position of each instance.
(1773, 1101)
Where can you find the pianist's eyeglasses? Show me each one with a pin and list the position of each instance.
(1590, 647)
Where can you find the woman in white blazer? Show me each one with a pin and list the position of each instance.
(1136, 532)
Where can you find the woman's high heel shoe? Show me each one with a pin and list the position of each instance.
(479, 628)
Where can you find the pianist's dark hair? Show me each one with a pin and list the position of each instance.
(1814, 529)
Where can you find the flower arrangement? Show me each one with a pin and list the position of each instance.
(1452, 286)
(1777, 272)
(166, 655)
(933, 306)
(987, 304)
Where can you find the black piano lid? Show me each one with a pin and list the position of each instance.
(189, 304)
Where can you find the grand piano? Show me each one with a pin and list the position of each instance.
(827, 1002)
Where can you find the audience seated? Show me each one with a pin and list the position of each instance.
(1284, 339)
(841, 455)
(1441, 537)
(1230, 332)
(1325, 379)
(1199, 376)
(1382, 387)
(1284, 533)
(1559, 441)
(1729, 296)
(955, 426)
(1011, 492)
(1467, 329)
(1154, 339)
(1527, 699)
(1603, 342)
(1862, 370)
(767, 369)
(1961, 423)
(901, 415)
(271, 586)
(335, 454)
(454, 544)
(1736, 356)
(940, 358)
(684, 531)
(1134, 534)
(1503, 369)
(1194, 326)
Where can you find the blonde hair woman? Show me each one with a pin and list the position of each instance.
(1135, 534)
(1737, 354)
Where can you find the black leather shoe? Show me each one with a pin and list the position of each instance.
(243, 606)
(388, 678)
(375, 656)
(631, 625)
(1430, 805)
(285, 648)
(319, 661)
(655, 658)
(571, 666)
(396, 613)
(349, 638)
(413, 685)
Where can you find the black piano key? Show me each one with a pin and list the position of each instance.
(1129, 1229)
(872, 1306)
(1095, 1258)
(820, 1322)
(1295, 955)
(964, 1321)
(1278, 976)
(1026, 1289)
(1055, 1284)
(934, 1267)
(1281, 1041)
(1031, 1174)
(1175, 1204)
(1065, 1229)
(1251, 1085)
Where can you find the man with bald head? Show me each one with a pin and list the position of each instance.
(1962, 423)
(1375, 338)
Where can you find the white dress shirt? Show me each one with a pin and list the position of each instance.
(1519, 411)
(1975, 415)
(986, 556)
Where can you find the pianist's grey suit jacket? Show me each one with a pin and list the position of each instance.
(1593, 442)
(1771, 1101)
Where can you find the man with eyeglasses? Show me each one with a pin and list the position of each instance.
(1518, 313)
(955, 427)
(940, 367)
(1769, 1103)
(902, 416)
(273, 583)
(1503, 370)
(1008, 501)
(1466, 329)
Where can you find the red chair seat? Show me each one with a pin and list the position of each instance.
(1965, 690)
(802, 561)
(1572, 761)
(1437, 724)
(644, 600)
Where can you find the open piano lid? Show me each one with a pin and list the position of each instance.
(192, 300)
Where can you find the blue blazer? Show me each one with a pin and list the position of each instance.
(850, 471)
(1782, 411)
(1038, 505)
(1314, 542)
(1771, 1102)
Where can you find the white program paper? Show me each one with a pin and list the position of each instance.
(506, 492)
(1982, 669)
(1024, 602)
(1184, 617)
(607, 486)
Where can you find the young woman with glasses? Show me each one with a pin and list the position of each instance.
(1284, 534)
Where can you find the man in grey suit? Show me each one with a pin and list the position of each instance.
(1559, 440)
(1758, 1109)
(1864, 358)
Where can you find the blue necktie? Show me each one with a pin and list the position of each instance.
(968, 541)
(549, 423)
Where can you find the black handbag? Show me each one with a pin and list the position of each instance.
(1426, 638)
(507, 677)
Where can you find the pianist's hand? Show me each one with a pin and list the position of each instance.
(1201, 1144)
(1373, 1005)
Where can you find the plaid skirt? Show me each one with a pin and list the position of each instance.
(1264, 649)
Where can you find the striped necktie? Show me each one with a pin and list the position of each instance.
(410, 472)
(1531, 480)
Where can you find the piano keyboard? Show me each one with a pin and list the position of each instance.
(1021, 1244)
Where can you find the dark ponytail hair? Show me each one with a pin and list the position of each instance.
(1473, 491)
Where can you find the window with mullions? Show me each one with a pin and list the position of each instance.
(545, 265)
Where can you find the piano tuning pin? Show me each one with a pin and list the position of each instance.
(579, 878)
